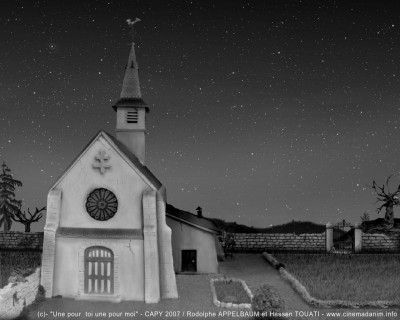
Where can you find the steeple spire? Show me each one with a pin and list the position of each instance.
(131, 84)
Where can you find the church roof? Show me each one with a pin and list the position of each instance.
(131, 103)
(142, 170)
(191, 219)
(131, 85)
(131, 95)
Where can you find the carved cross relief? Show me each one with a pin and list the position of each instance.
(101, 162)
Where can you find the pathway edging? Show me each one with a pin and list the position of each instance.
(221, 304)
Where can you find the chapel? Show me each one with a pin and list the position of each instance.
(106, 236)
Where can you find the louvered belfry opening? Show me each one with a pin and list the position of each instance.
(132, 116)
(99, 271)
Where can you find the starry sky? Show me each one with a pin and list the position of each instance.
(261, 112)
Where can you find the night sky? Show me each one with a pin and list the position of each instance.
(261, 112)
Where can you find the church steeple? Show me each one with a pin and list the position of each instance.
(130, 108)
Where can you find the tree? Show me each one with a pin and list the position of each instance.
(28, 220)
(228, 243)
(388, 199)
(8, 204)
(365, 217)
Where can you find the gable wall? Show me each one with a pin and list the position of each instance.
(82, 179)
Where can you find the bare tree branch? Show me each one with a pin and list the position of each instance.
(388, 201)
(28, 220)
(387, 182)
(380, 208)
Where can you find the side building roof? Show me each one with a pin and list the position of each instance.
(191, 219)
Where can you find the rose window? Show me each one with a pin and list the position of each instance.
(101, 204)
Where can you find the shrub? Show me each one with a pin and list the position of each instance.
(229, 290)
(40, 295)
(266, 299)
(14, 263)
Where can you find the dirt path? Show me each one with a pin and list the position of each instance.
(255, 271)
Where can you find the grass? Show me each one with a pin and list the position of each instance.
(19, 261)
(231, 291)
(357, 278)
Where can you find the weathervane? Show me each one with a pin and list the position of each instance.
(131, 24)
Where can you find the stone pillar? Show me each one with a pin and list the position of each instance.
(151, 258)
(357, 238)
(49, 241)
(329, 237)
(167, 274)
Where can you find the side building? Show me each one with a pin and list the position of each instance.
(195, 245)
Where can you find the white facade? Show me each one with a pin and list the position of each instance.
(136, 236)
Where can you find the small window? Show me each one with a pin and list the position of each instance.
(132, 116)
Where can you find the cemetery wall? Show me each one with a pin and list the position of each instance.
(15, 240)
(379, 242)
(259, 242)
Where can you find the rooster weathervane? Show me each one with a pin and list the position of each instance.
(131, 24)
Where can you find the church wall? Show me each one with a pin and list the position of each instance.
(186, 237)
(131, 270)
(128, 267)
(82, 179)
(66, 268)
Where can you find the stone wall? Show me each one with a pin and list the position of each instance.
(379, 242)
(14, 240)
(14, 297)
(258, 242)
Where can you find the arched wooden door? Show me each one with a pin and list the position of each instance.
(99, 271)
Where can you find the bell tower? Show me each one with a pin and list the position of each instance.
(130, 108)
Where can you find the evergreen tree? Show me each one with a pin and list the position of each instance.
(8, 204)
(365, 217)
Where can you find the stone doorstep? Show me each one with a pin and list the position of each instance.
(229, 305)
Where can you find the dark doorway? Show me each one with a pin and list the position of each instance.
(189, 260)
